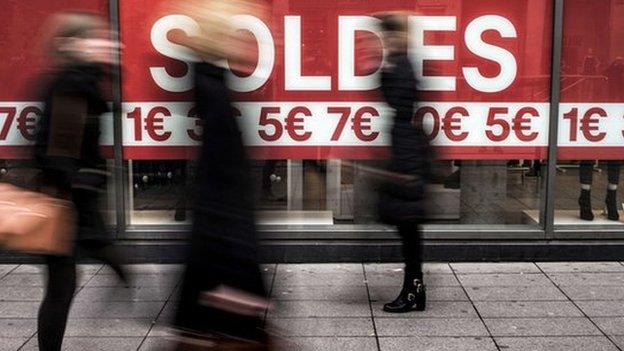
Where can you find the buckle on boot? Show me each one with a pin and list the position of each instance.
(411, 297)
(420, 287)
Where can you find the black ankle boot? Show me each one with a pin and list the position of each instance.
(585, 205)
(612, 207)
(412, 298)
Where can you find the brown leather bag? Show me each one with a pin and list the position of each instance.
(33, 222)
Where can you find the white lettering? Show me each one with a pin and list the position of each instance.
(175, 51)
(420, 52)
(292, 60)
(506, 60)
(347, 26)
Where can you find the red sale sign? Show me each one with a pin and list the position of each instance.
(482, 67)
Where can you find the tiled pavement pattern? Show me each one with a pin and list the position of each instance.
(472, 306)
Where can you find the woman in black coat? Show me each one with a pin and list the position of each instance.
(223, 295)
(402, 197)
(223, 250)
(67, 153)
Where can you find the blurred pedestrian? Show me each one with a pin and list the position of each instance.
(79, 49)
(223, 296)
(402, 195)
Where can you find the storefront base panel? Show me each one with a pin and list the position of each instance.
(317, 251)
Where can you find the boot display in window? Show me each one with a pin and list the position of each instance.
(586, 178)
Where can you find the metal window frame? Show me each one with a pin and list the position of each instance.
(545, 230)
(119, 168)
(547, 208)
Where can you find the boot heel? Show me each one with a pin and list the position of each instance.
(584, 202)
(612, 207)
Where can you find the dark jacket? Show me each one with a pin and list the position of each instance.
(67, 149)
(402, 197)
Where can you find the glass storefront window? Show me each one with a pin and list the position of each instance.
(590, 116)
(314, 122)
(316, 126)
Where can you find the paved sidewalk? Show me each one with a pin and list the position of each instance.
(472, 306)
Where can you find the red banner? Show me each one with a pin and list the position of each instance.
(312, 96)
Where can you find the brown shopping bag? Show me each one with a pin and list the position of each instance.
(36, 223)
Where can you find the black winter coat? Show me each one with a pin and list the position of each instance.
(223, 239)
(402, 198)
(224, 228)
(67, 149)
(73, 103)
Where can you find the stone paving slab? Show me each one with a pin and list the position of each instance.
(6, 268)
(11, 344)
(168, 312)
(504, 279)
(118, 293)
(434, 293)
(115, 309)
(436, 344)
(157, 344)
(91, 327)
(610, 325)
(19, 309)
(541, 326)
(17, 328)
(309, 309)
(507, 267)
(328, 344)
(593, 293)
(296, 327)
(30, 279)
(436, 309)
(527, 309)
(396, 279)
(619, 341)
(17, 293)
(515, 293)
(584, 279)
(577, 267)
(451, 327)
(602, 308)
(584, 343)
(318, 279)
(92, 344)
(161, 330)
(335, 292)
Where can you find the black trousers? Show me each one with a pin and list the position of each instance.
(586, 171)
(57, 301)
(412, 250)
